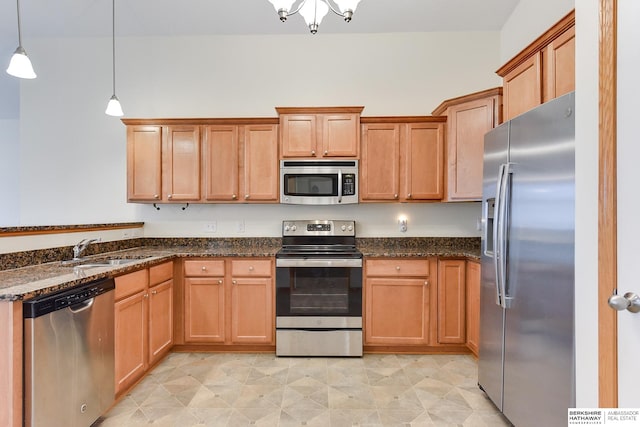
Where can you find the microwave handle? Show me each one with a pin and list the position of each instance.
(339, 185)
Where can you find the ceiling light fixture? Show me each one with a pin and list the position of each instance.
(113, 107)
(314, 10)
(20, 65)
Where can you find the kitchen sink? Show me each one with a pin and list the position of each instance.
(93, 263)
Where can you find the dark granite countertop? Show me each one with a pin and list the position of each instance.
(30, 281)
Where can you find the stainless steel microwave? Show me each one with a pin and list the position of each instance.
(318, 182)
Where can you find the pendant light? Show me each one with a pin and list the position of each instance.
(113, 107)
(20, 65)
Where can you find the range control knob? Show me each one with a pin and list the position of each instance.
(350, 228)
(293, 227)
(286, 227)
(343, 227)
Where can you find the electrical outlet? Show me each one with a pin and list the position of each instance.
(210, 227)
(241, 226)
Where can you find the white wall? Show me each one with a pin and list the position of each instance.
(73, 168)
(9, 171)
(528, 21)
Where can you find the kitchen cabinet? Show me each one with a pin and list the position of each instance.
(318, 132)
(451, 301)
(473, 305)
(204, 299)
(252, 311)
(163, 162)
(469, 118)
(397, 297)
(402, 159)
(542, 71)
(143, 322)
(241, 163)
(229, 301)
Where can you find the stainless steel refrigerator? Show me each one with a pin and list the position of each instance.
(526, 354)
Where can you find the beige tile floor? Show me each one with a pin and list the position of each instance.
(209, 389)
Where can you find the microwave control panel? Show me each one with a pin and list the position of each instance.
(348, 184)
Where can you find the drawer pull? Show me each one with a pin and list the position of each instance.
(233, 282)
(251, 268)
(220, 282)
(397, 268)
(204, 268)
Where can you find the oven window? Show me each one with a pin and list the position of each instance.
(318, 291)
(311, 185)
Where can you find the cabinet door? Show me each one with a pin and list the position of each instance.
(252, 310)
(559, 60)
(473, 306)
(221, 163)
(260, 165)
(181, 163)
(396, 311)
(423, 161)
(144, 161)
(380, 167)
(467, 125)
(451, 302)
(340, 135)
(204, 309)
(160, 320)
(523, 87)
(130, 339)
(299, 135)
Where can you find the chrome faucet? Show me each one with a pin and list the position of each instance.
(81, 246)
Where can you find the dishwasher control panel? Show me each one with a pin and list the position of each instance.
(44, 304)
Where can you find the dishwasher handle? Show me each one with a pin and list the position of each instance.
(82, 306)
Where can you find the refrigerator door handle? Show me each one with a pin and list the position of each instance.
(505, 202)
(497, 252)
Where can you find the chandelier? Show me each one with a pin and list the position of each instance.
(314, 10)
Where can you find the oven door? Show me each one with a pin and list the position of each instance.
(319, 287)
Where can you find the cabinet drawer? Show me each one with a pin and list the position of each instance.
(396, 267)
(251, 267)
(131, 283)
(160, 273)
(204, 267)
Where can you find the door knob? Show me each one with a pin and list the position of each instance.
(629, 301)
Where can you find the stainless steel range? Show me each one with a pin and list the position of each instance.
(319, 290)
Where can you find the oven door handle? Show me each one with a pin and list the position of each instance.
(329, 262)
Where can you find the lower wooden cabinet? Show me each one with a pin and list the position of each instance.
(473, 306)
(451, 301)
(397, 301)
(143, 322)
(229, 301)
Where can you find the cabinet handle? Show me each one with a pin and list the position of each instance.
(395, 196)
(397, 267)
(426, 282)
(146, 295)
(246, 196)
(153, 292)
(220, 282)
(169, 196)
(234, 196)
(155, 196)
(233, 282)
(204, 268)
(313, 152)
(326, 152)
(251, 268)
(409, 196)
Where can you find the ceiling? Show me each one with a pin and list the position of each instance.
(92, 18)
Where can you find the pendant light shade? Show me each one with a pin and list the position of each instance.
(113, 107)
(20, 65)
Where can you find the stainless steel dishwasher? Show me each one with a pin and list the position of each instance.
(69, 356)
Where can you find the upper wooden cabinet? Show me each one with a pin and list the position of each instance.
(231, 160)
(542, 71)
(241, 163)
(163, 163)
(319, 132)
(469, 118)
(402, 159)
